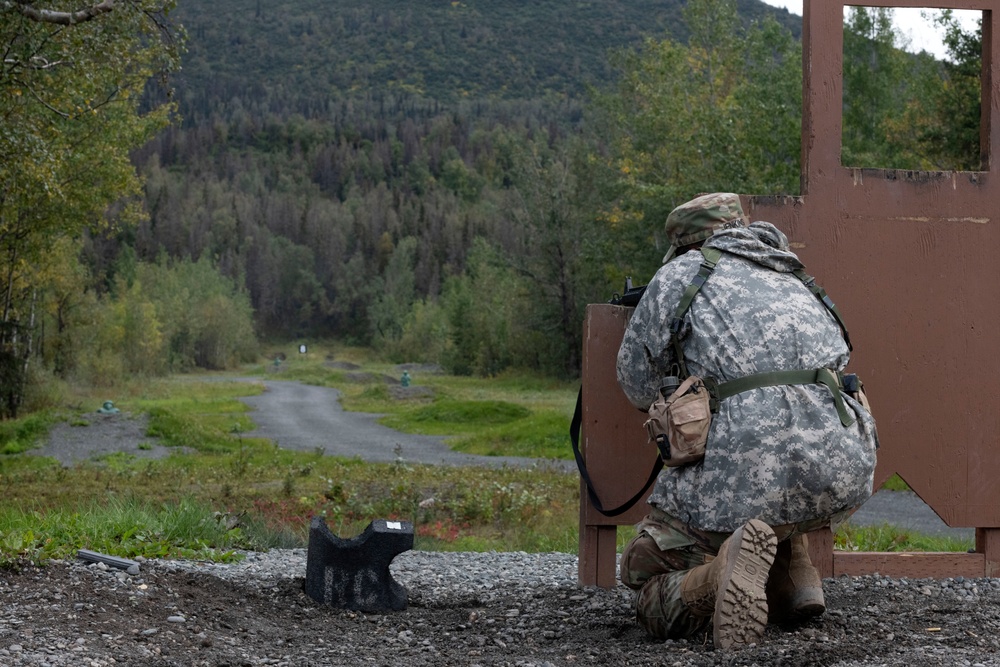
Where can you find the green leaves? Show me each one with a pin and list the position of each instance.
(70, 109)
(721, 113)
(907, 111)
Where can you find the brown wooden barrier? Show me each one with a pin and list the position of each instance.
(909, 258)
(619, 460)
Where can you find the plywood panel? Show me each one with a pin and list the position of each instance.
(613, 441)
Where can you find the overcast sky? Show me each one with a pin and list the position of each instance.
(922, 33)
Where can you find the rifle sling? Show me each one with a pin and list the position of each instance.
(574, 436)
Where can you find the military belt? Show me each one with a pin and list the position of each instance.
(831, 379)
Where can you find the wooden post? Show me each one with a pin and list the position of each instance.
(821, 551)
(988, 544)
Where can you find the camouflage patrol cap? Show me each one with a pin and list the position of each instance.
(700, 218)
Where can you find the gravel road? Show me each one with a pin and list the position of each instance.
(306, 417)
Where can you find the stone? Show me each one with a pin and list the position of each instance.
(354, 573)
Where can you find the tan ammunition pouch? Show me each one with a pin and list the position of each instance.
(679, 423)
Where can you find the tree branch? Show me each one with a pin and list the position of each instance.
(59, 18)
(40, 100)
(36, 63)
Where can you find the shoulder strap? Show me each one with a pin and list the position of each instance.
(711, 257)
(821, 294)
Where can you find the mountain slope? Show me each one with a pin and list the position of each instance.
(307, 52)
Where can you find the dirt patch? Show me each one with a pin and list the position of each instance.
(411, 393)
(96, 435)
(342, 365)
(371, 377)
(427, 369)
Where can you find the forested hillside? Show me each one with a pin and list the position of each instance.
(299, 56)
(322, 141)
(447, 182)
(318, 136)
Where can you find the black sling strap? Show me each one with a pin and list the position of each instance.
(574, 435)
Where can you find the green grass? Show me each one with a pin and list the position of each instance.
(223, 489)
(895, 483)
(489, 428)
(20, 435)
(123, 527)
(440, 415)
(207, 416)
(541, 435)
(277, 492)
(890, 538)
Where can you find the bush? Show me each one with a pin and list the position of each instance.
(208, 321)
(123, 338)
(20, 435)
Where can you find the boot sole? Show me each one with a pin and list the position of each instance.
(741, 605)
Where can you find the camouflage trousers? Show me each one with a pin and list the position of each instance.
(658, 558)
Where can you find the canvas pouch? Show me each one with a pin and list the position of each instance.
(679, 423)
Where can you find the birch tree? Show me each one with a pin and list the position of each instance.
(73, 102)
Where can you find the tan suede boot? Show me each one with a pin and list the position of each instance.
(732, 587)
(794, 589)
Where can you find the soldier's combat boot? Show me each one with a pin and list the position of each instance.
(794, 589)
(731, 588)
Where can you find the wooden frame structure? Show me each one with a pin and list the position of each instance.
(909, 258)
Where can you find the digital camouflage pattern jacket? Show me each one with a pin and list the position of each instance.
(779, 454)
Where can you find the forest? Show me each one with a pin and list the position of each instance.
(447, 183)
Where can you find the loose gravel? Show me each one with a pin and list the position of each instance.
(464, 609)
(492, 609)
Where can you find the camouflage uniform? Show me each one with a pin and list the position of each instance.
(779, 454)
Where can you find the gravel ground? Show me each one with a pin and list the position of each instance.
(464, 609)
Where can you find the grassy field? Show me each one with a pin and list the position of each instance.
(224, 490)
